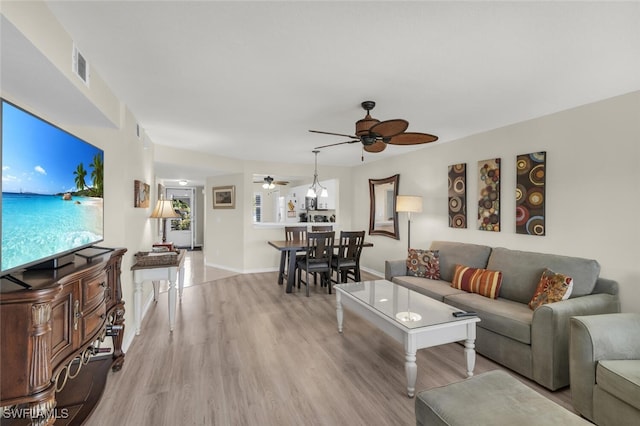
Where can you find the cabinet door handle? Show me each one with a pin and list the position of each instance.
(76, 314)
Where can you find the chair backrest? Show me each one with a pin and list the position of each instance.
(295, 233)
(350, 245)
(320, 246)
(318, 228)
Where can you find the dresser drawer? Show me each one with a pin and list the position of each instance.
(93, 291)
(93, 321)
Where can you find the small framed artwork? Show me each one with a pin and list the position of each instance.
(224, 197)
(141, 194)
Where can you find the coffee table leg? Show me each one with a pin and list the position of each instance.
(410, 366)
(469, 348)
(339, 312)
(470, 355)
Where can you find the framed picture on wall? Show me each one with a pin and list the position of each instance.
(224, 197)
(141, 194)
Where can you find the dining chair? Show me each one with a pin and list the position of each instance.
(321, 228)
(291, 233)
(318, 258)
(347, 261)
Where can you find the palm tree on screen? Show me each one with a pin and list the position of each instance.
(97, 174)
(81, 174)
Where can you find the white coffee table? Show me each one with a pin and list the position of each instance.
(415, 320)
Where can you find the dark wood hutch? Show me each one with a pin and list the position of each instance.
(50, 338)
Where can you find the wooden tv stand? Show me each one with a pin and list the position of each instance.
(48, 335)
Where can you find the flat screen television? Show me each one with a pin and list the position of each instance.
(52, 191)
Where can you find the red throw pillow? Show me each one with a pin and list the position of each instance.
(474, 280)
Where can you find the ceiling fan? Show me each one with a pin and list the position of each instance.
(269, 183)
(375, 134)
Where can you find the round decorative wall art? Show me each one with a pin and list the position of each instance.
(530, 193)
(489, 195)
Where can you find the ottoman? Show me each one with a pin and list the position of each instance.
(492, 398)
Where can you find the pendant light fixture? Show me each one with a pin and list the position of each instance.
(315, 186)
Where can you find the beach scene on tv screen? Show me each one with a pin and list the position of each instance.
(52, 190)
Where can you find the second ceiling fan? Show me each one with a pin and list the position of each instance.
(375, 134)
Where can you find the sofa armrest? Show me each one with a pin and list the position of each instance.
(394, 268)
(550, 335)
(604, 285)
(594, 338)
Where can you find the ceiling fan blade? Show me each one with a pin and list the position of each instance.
(334, 144)
(334, 134)
(280, 182)
(375, 147)
(412, 138)
(389, 128)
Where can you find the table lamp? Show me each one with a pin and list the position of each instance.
(409, 204)
(164, 210)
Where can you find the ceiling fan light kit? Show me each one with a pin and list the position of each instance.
(268, 183)
(374, 135)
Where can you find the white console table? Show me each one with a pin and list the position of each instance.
(171, 272)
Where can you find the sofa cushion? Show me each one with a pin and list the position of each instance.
(452, 253)
(505, 317)
(474, 280)
(435, 289)
(553, 287)
(620, 378)
(423, 263)
(521, 272)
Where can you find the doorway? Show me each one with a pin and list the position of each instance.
(181, 231)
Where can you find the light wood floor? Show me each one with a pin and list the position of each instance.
(245, 353)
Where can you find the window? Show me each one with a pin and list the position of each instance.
(257, 207)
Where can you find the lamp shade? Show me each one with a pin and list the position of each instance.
(164, 210)
(409, 203)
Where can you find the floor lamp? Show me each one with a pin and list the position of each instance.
(164, 210)
(408, 204)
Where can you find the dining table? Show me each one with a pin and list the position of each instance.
(292, 247)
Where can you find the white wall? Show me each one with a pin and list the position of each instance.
(592, 190)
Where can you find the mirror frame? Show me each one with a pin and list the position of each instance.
(395, 179)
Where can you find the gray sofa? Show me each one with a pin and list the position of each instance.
(532, 343)
(604, 366)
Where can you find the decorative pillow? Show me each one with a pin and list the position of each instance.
(474, 280)
(424, 263)
(553, 287)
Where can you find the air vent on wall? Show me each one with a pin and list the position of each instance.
(80, 65)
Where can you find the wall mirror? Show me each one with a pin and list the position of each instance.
(383, 218)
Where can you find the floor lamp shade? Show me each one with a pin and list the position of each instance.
(409, 204)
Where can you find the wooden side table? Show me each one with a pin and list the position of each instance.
(173, 271)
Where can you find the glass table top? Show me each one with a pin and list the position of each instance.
(404, 306)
